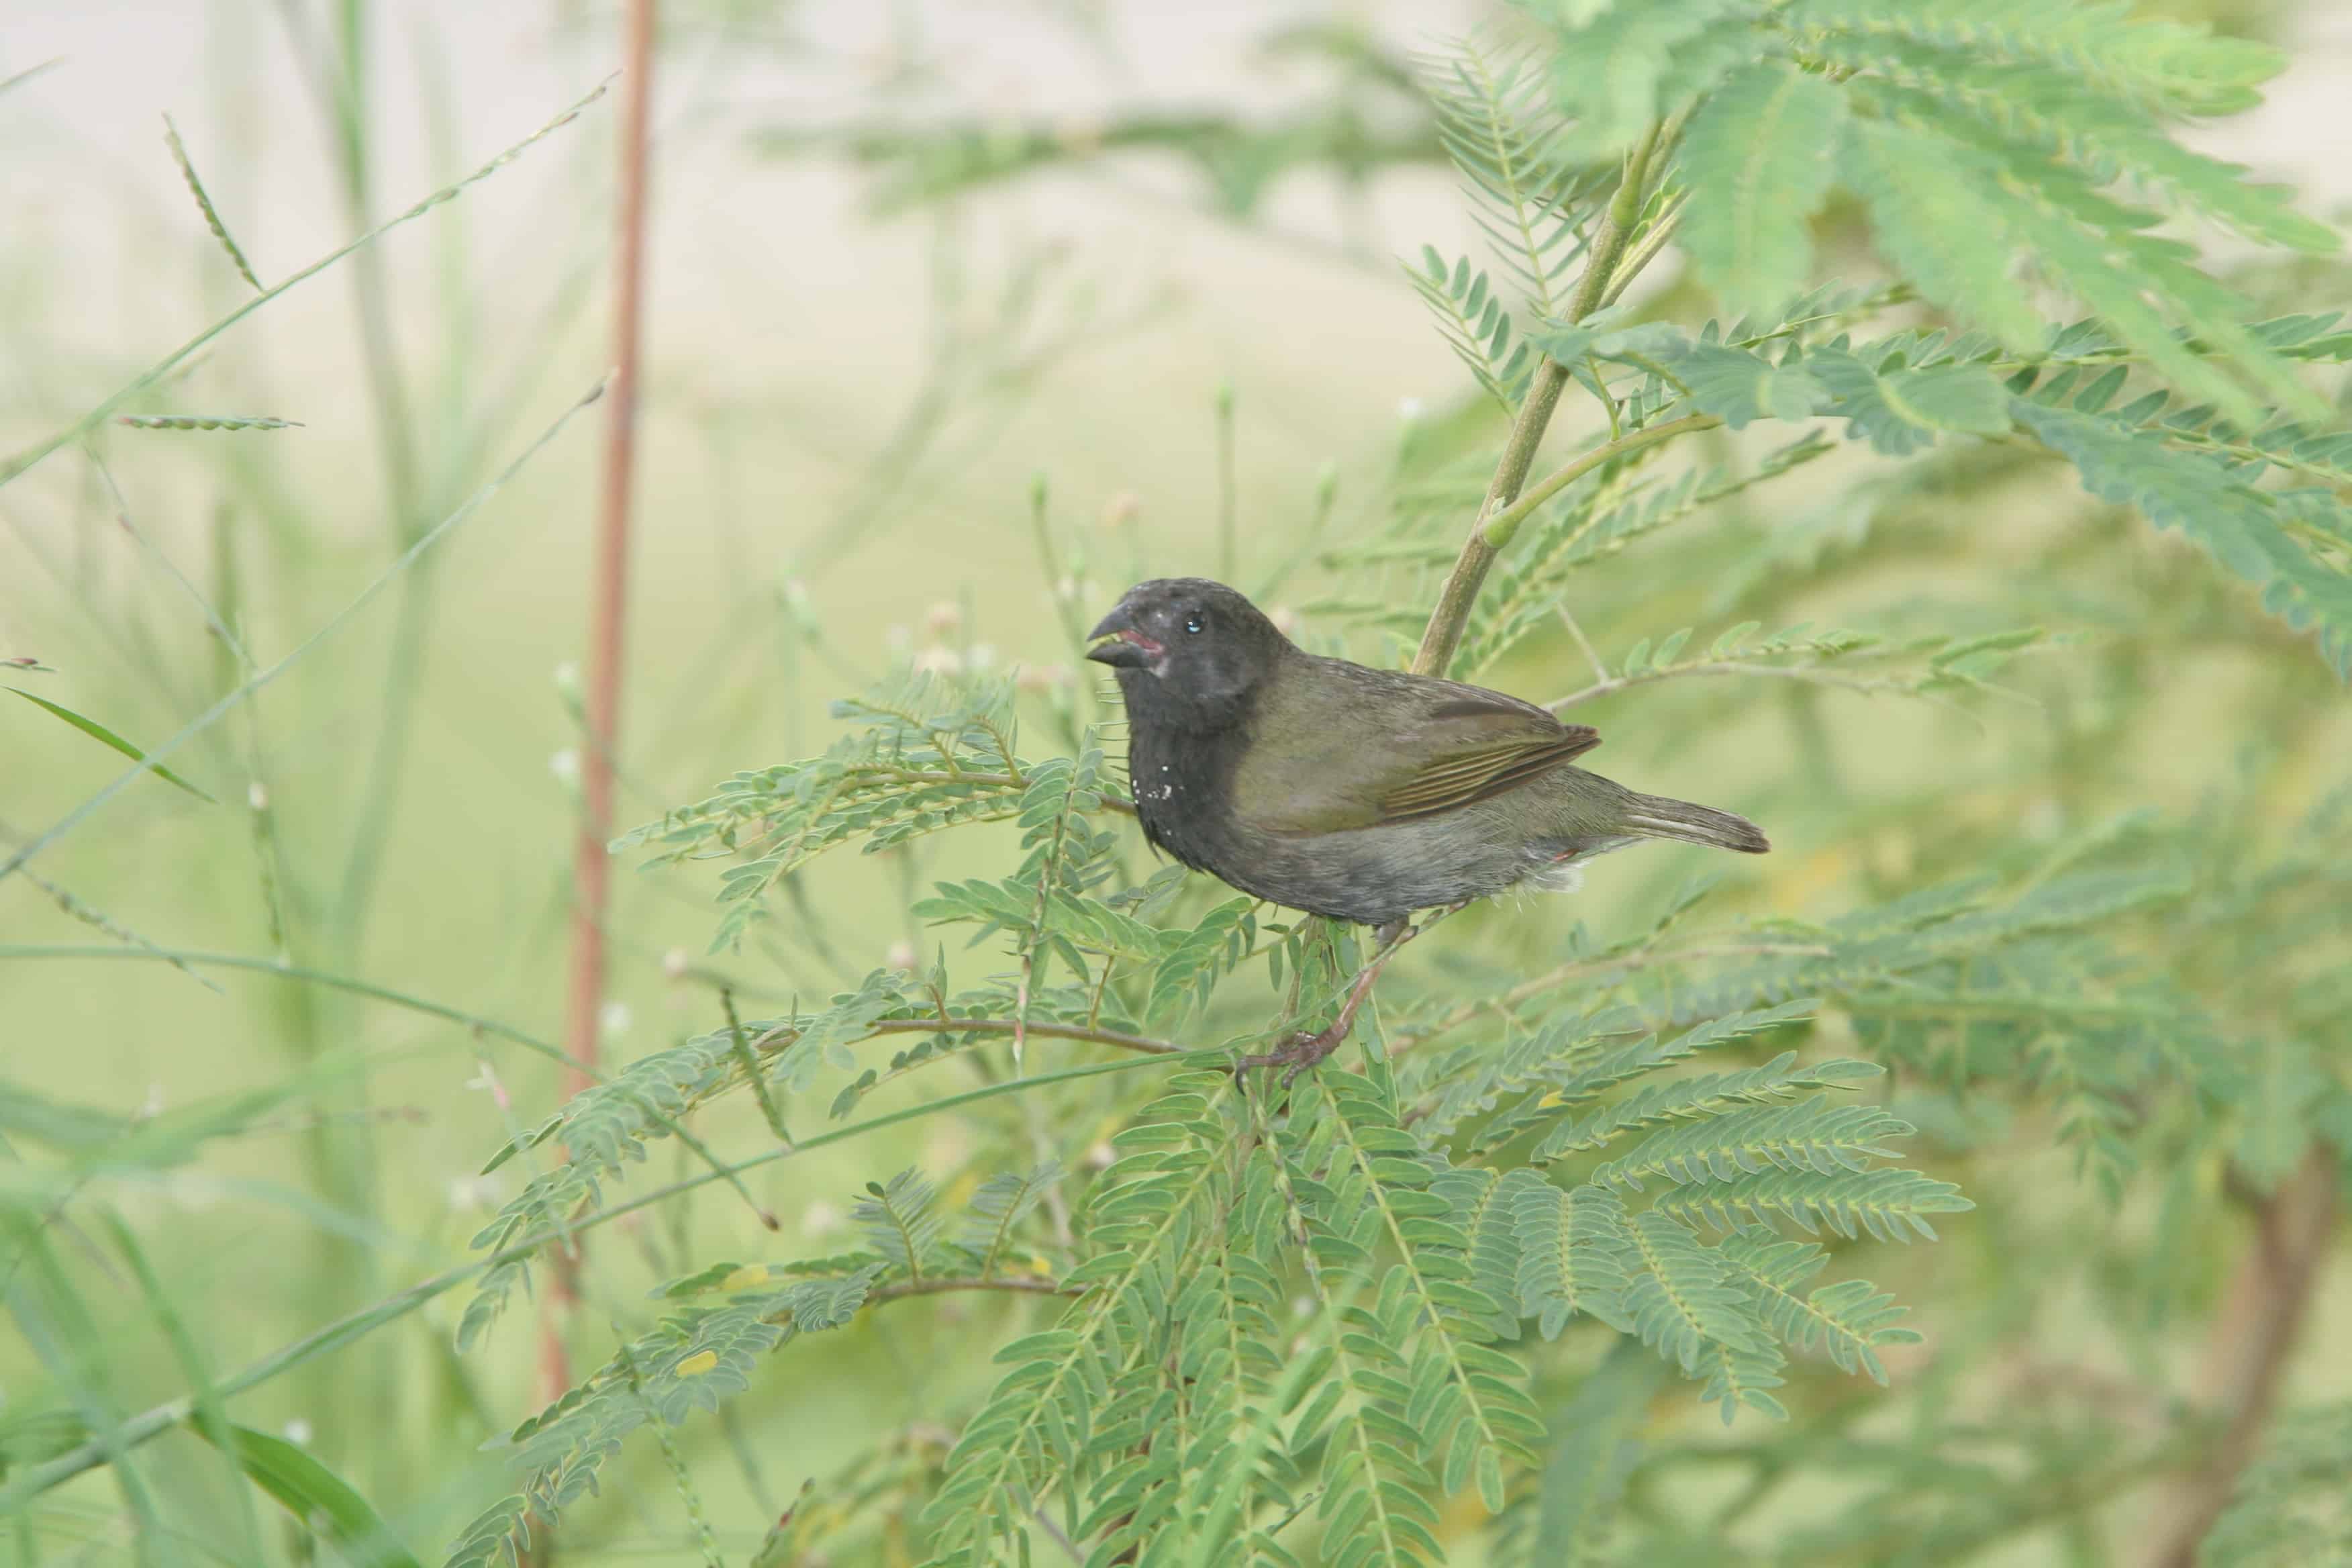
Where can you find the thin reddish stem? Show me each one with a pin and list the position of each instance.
(592, 864)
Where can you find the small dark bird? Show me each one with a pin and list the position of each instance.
(1363, 795)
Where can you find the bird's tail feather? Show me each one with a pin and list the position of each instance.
(1656, 817)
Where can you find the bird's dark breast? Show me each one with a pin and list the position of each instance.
(1182, 774)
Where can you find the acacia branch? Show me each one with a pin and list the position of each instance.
(1497, 531)
(1551, 979)
(969, 1026)
(1018, 1283)
(966, 777)
(1005, 1026)
(1662, 229)
(2246, 1355)
(1478, 552)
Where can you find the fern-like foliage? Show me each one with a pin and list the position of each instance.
(1476, 325)
(1736, 1156)
(1763, 146)
(2047, 127)
(1509, 145)
(928, 755)
(1567, 1157)
(695, 1359)
(1277, 1323)
(901, 1222)
(2291, 1505)
(1078, 1396)
(604, 1127)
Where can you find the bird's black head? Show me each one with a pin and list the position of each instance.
(1187, 646)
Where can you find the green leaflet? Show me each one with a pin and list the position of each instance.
(693, 1360)
(2165, 66)
(1509, 145)
(2066, 117)
(1952, 237)
(2290, 1506)
(1598, 1432)
(1740, 387)
(1476, 326)
(1846, 1321)
(2199, 495)
(1023, 1434)
(1900, 410)
(901, 1221)
(1761, 151)
(1619, 67)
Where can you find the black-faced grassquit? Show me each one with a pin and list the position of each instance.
(1363, 795)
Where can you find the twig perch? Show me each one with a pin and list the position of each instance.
(1478, 552)
(2245, 1359)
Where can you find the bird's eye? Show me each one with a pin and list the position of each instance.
(1193, 624)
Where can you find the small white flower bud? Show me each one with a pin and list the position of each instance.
(469, 1193)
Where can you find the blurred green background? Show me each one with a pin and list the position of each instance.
(850, 388)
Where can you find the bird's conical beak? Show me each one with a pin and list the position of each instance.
(1118, 642)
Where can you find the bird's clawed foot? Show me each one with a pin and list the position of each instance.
(1303, 1050)
(1306, 1049)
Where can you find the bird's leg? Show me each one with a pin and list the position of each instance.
(1308, 1048)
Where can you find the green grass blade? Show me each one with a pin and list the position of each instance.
(205, 422)
(315, 1495)
(211, 1418)
(56, 1322)
(212, 715)
(104, 736)
(179, 356)
(29, 73)
(475, 1022)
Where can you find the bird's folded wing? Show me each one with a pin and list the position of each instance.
(1459, 778)
(1370, 755)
